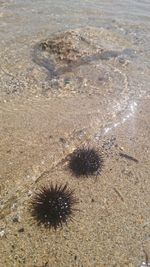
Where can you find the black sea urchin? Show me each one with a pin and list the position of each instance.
(85, 161)
(53, 205)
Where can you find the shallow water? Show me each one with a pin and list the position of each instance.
(100, 100)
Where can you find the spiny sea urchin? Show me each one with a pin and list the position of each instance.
(85, 161)
(53, 205)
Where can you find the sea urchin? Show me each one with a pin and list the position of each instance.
(53, 205)
(85, 161)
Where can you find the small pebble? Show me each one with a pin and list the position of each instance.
(15, 218)
(21, 230)
(2, 233)
(75, 257)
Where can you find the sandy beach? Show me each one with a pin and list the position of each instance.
(49, 107)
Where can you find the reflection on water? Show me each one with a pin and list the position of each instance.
(131, 112)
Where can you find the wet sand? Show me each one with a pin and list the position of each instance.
(113, 222)
(104, 104)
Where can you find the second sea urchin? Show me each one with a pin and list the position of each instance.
(85, 161)
(53, 205)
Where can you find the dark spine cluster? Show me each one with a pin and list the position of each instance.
(53, 205)
(85, 162)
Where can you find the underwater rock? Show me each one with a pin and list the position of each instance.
(63, 52)
(80, 57)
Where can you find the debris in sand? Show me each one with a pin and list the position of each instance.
(123, 155)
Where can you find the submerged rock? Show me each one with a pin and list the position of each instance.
(81, 56)
(64, 51)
